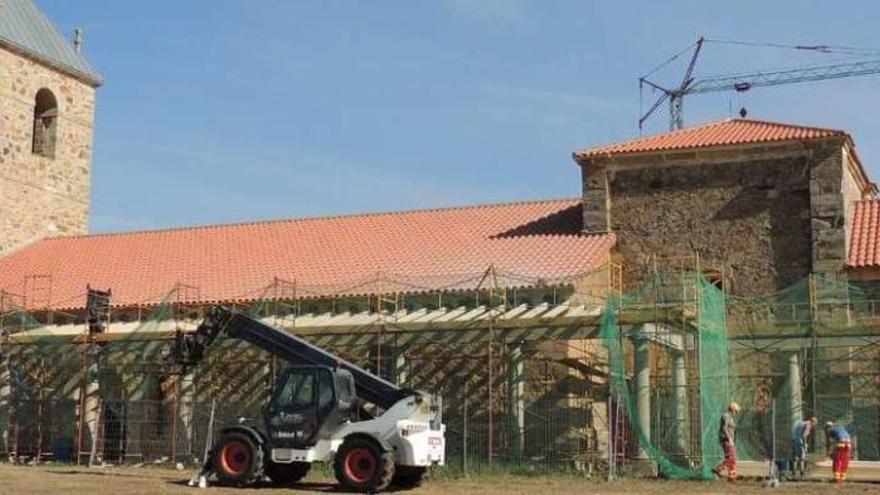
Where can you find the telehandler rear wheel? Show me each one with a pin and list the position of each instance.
(237, 459)
(361, 465)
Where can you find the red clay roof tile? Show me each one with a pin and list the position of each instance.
(864, 246)
(720, 133)
(412, 250)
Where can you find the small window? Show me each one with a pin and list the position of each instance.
(325, 391)
(45, 123)
(346, 388)
(298, 392)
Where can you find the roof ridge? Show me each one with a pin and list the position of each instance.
(652, 136)
(310, 219)
(785, 124)
(655, 141)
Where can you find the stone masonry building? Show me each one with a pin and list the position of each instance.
(763, 204)
(47, 103)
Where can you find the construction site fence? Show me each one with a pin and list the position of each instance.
(549, 433)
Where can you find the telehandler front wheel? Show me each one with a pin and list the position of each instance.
(237, 459)
(362, 465)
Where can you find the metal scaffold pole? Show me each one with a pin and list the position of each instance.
(814, 349)
(491, 446)
(464, 430)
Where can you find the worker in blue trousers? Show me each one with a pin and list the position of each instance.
(802, 431)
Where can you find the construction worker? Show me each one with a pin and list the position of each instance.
(727, 438)
(802, 431)
(839, 444)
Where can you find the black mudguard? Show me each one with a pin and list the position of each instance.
(257, 434)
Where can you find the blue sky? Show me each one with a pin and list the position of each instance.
(234, 110)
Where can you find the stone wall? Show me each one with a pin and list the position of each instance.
(750, 219)
(596, 200)
(828, 210)
(40, 196)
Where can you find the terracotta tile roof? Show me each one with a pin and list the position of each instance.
(720, 133)
(412, 250)
(864, 246)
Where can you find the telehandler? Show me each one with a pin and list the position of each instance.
(322, 409)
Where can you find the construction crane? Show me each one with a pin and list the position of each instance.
(746, 81)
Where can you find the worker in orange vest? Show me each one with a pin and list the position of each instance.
(727, 438)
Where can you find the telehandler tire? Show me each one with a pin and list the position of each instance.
(237, 459)
(361, 465)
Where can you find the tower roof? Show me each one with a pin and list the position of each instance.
(723, 134)
(26, 29)
(720, 133)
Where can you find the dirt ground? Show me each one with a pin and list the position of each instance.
(60, 480)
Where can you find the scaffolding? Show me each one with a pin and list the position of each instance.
(117, 399)
(570, 373)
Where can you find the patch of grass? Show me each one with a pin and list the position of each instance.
(497, 471)
(322, 469)
(506, 470)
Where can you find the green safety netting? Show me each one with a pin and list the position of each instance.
(657, 314)
(808, 350)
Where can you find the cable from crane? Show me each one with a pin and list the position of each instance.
(671, 59)
(819, 48)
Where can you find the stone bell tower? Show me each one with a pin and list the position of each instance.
(47, 103)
